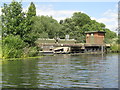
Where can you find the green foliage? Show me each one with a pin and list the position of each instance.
(45, 27)
(20, 30)
(109, 36)
(77, 25)
(30, 51)
(15, 21)
(0, 48)
(12, 19)
(17, 30)
(30, 35)
(31, 10)
(114, 47)
(80, 19)
(0, 38)
(118, 41)
(13, 46)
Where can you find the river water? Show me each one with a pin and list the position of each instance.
(62, 71)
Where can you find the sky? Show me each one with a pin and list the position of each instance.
(103, 12)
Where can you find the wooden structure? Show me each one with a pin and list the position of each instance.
(74, 48)
(94, 44)
(95, 37)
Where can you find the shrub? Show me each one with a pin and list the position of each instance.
(114, 48)
(13, 47)
(30, 51)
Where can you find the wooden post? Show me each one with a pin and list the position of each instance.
(102, 49)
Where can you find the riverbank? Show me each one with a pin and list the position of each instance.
(113, 49)
(92, 53)
(22, 58)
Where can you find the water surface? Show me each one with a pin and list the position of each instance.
(62, 71)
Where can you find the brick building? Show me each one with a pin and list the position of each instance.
(95, 37)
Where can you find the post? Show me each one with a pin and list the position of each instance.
(102, 49)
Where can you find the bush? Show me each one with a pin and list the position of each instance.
(0, 48)
(114, 48)
(30, 51)
(13, 47)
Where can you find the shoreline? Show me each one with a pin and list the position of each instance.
(20, 58)
(91, 53)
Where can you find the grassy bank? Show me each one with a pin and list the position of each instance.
(22, 58)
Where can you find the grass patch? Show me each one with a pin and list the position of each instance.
(22, 58)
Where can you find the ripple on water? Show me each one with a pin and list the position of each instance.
(62, 71)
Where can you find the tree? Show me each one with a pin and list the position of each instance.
(74, 26)
(31, 10)
(81, 18)
(17, 32)
(0, 30)
(12, 19)
(46, 27)
(0, 37)
(78, 24)
(29, 35)
(109, 36)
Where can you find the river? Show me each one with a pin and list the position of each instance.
(62, 71)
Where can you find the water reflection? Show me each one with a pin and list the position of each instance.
(62, 71)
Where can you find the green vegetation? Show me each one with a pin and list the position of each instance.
(0, 52)
(115, 48)
(20, 30)
(76, 26)
(110, 37)
(79, 23)
(13, 46)
(46, 27)
(25, 58)
(17, 34)
(0, 38)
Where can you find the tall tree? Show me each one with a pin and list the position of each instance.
(31, 10)
(78, 24)
(12, 19)
(46, 27)
(30, 37)
(13, 27)
(18, 35)
(0, 29)
(81, 18)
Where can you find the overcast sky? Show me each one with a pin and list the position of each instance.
(105, 12)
